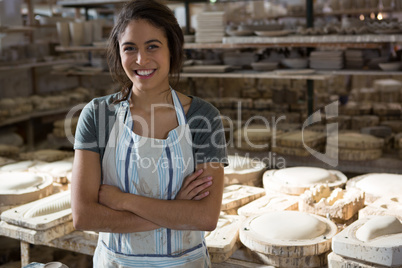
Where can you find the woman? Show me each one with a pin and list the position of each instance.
(148, 167)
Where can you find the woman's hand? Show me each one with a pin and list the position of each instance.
(111, 196)
(193, 187)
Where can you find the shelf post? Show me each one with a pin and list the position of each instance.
(310, 83)
(309, 14)
(187, 11)
(24, 253)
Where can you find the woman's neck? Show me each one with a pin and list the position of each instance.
(144, 100)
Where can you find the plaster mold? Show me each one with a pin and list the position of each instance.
(375, 239)
(296, 180)
(338, 203)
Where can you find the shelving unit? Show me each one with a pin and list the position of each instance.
(12, 66)
(386, 164)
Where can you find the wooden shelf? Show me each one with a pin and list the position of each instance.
(318, 75)
(39, 64)
(255, 74)
(335, 41)
(25, 117)
(16, 29)
(80, 49)
(89, 3)
(388, 163)
(359, 72)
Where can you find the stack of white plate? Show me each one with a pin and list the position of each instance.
(326, 60)
(210, 27)
(354, 58)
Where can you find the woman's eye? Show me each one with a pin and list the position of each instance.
(128, 49)
(152, 47)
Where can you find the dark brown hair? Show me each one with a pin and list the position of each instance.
(160, 16)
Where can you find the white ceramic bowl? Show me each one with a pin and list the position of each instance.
(390, 66)
(295, 63)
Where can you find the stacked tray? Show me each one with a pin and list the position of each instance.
(354, 108)
(235, 196)
(210, 27)
(296, 180)
(253, 138)
(389, 89)
(354, 146)
(9, 150)
(372, 241)
(47, 155)
(376, 185)
(18, 188)
(326, 60)
(298, 142)
(289, 238)
(244, 170)
(40, 221)
(360, 121)
(354, 58)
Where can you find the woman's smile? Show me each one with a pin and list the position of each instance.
(145, 73)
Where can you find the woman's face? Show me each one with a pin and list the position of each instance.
(145, 56)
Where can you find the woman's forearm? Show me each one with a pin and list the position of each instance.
(99, 218)
(173, 214)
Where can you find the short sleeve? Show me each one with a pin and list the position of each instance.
(209, 143)
(86, 134)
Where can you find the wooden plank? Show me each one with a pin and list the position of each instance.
(337, 261)
(235, 196)
(77, 241)
(304, 261)
(224, 240)
(35, 236)
(42, 214)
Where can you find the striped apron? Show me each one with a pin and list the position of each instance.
(154, 168)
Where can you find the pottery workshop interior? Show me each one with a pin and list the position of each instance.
(308, 98)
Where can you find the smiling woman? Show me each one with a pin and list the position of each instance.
(148, 166)
(147, 57)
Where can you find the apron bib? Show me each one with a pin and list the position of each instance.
(154, 168)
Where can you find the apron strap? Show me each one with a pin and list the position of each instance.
(181, 116)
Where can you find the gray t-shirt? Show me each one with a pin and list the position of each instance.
(98, 116)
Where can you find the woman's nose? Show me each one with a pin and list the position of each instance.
(142, 58)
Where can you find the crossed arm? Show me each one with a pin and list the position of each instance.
(105, 208)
